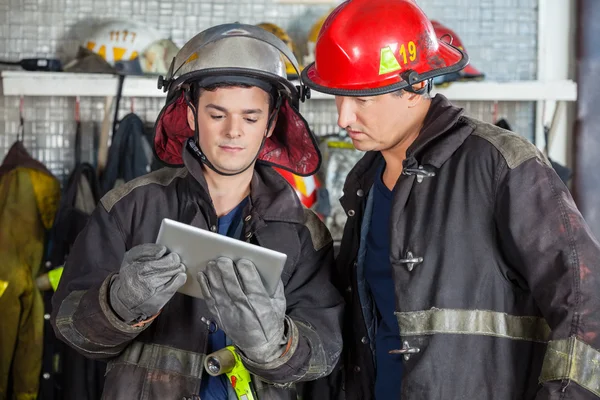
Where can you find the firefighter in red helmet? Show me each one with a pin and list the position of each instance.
(468, 271)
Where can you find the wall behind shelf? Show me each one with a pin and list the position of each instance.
(29, 28)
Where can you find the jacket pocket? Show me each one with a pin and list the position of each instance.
(149, 371)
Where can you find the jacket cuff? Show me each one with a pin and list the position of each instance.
(289, 368)
(87, 323)
(111, 316)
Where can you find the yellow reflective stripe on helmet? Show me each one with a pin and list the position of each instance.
(388, 62)
(571, 359)
(3, 286)
(118, 53)
(191, 58)
(473, 322)
(102, 51)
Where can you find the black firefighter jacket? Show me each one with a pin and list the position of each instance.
(497, 275)
(164, 359)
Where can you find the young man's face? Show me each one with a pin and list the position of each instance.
(377, 123)
(232, 123)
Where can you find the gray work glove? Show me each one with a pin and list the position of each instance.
(243, 309)
(146, 282)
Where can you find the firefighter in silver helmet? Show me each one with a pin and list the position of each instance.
(230, 115)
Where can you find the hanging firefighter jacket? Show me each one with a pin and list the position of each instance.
(66, 374)
(130, 154)
(29, 196)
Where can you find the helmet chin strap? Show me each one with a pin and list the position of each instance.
(193, 144)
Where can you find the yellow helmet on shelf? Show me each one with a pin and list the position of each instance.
(283, 35)
(311, 41)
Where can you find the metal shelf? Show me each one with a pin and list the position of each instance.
(25, 83)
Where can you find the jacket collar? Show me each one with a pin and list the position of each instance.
(438, 140)
(271, 197)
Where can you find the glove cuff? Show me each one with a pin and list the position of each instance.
(120, 309)
(274, 348)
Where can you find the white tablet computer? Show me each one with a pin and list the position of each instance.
(197, 247)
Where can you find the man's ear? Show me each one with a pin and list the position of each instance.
(273, 125)
(414, 98)
(190, 118)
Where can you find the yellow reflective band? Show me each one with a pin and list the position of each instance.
(571, 359)
(54, 277)
(473, 322)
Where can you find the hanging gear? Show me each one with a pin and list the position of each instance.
(341, 157)
(290, 70)
(394, 49)
(130, 154)
(67, 374)
(29, 196)
(449, 36)
(306, 187)
(236, 54)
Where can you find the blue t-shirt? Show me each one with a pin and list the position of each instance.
(378, 274)
(216, 387)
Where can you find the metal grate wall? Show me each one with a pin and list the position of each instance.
(500, 37)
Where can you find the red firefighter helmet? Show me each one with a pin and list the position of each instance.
(449, 36)
(371, 47)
